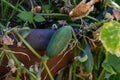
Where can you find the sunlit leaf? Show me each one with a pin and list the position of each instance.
(110, 37)
(26, 16)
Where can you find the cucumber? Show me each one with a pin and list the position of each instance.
(59, 41)
(88, 64)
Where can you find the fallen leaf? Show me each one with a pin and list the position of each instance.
(82, 9)
(19, 44)
(7, 40)
(62, 22)
(116, 14)
(9, 77)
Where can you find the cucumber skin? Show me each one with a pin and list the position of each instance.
(59, 41)
(89, 63)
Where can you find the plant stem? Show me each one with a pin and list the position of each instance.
(101, 75)
(11, 5)
(49, 2)
(52, 14)
(44, 61)
(2, 54)
(13, 11)
(5, 11)
(70, 72)
(19, 65)
(2, 10)
(42, 14)
(81, 77)
(95, 25)
(34, 24)
(2, 26)
(92, 18)
(18, 74)
(27, 44)
(74, 64)
(76, 25)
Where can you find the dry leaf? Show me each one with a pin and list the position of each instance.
(87, 76)
(39, 78)
(96, 34)
(34, 68)
(13, 69)
(19, 44)
(82, 9)
(116, 14)
(9, 77)
(62, 22)
(7, 40)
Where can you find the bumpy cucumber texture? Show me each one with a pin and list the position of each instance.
(59, 41)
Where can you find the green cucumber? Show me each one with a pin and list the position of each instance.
(88, 64)
(59, 41)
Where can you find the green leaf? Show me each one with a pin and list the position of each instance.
(110, 37)
(113, 3)
(117, 1)
(39, 18)
(112, 63)
(46, 7)
(26, 16)
(115, 77)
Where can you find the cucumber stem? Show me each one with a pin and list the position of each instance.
(34, 24)
(47, 69)
(18, 74)
(74, 64)
(70, 72)
(101, 75)
(92, 18)
(97, 24)
(53, 14)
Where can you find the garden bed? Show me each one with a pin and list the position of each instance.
(59, 40)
